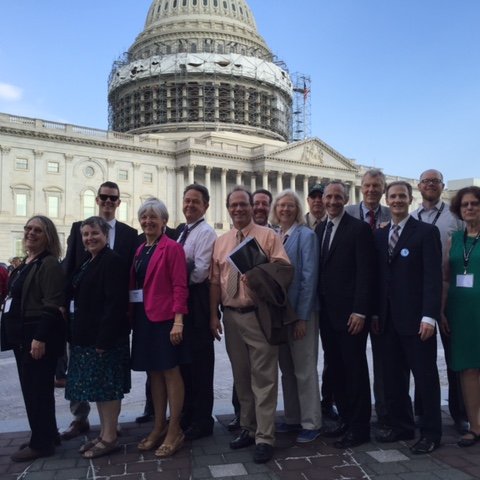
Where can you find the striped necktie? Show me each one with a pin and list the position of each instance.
(393, 240)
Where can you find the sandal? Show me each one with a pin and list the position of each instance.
(102, 448)
(468, 442)
(166, 450)
(152, 441)
(90, 444)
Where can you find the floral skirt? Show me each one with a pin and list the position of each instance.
(98, 377)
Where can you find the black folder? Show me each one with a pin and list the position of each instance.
(247, 255)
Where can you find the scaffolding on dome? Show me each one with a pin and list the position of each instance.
(302, 107)
(214, 91)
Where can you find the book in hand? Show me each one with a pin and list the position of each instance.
(247, 254)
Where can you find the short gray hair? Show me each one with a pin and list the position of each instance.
(156, 206)
(95, 221)
(287, 193)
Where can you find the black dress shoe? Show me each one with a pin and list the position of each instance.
(330, 411)
(424, 445)
(29, 454)
(263, 453)
(76, 428)
(336, 431)
(145, 418)
(194, 432)
(462, 426)
(351, 440)
(234, 424)
(389, 435)
(242, 441)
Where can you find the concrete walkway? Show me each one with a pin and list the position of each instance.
(211, 458)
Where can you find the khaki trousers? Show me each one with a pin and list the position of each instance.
(301, 391)
(255, 373)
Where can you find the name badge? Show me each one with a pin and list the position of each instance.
(8, 304)
(72, 306)
(465, 281)
(136, 296)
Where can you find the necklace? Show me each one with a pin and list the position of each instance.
(153, 245)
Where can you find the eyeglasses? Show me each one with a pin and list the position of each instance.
(474, 203)
(28, 229)
(104, 198)
(431, 181)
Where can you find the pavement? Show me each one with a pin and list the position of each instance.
(211, 457)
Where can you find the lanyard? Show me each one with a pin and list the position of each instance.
(187, 230)
(440, 210)
(466, 255)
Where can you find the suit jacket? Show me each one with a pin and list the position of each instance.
(165, 290)
(270, 282)
(126, 242)
(410, 283)
(101, 303)
(302, 250)
(346, 278)
(354, 211)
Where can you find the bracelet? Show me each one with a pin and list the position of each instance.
(178, 324)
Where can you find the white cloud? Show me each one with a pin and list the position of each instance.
(10, 92)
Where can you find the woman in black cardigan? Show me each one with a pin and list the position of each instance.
(99, 369)
(33, 326)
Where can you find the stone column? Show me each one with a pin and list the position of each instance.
(305, 191)
(353, 196)
(253, 182)
(223, 184)
(191, 174)
(37, 192)
(238, 179)
(265, 180)
(4, 161)
(208, 181)
(178, 196)
(293, 177)
(279, 182)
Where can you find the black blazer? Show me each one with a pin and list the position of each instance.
(101, 303)
(126, 242)
(346, 278)
(410, 283)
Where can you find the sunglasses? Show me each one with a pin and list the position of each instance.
(104, 198)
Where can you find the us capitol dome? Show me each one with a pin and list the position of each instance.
(199, 66)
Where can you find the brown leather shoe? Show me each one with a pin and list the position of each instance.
(76, 428)
(28, 454)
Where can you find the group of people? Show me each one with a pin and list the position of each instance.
(341, 272)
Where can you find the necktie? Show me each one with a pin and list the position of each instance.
(394, 236)
(285, 238)
(184, 235)
(111, 237)
(326, 241)
(233, 274)
(371, 220)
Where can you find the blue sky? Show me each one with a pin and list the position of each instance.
(395, 83)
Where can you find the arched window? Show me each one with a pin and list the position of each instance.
(88, 203)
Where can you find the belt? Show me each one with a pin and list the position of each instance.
(250, 308)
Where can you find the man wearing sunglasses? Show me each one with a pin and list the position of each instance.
(122, 239)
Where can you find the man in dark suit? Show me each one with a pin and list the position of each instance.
(409, 257)
(346, 276)
(123, 239)
(370, 211)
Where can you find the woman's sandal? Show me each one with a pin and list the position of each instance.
(102, 448)
(468, 442)
(152, 441)
(166, 450)
(90, 444)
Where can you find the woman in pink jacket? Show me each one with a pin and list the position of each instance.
(159, 292)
